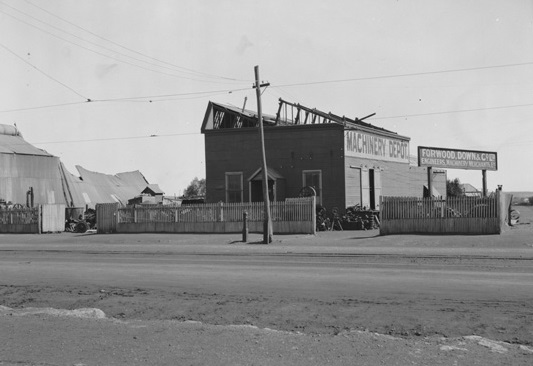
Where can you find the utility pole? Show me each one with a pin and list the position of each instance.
(267, 225)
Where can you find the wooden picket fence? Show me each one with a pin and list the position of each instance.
(291, 216)
(454, 215)
(23, 220)
(33, 220)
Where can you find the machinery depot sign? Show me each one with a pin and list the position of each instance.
(457, 159)
(365, 145)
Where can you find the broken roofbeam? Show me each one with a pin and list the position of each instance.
(297, 119)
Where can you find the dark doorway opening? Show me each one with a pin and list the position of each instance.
(372, 189)
(257, 190)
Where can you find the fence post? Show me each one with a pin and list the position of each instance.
(40, 218)
(244, 226)
(313, 214)
(220, 211)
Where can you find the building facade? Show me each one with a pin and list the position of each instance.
(346, 161)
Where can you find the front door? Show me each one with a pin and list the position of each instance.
(370, 188)
(256, 190)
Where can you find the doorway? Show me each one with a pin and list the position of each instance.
(256, 190)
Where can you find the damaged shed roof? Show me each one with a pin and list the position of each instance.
(15, 144)
(92, 187)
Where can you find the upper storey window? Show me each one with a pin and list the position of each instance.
(228, 119)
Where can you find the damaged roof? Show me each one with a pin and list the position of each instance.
(11, 142)
(222, 117)
(23, 166)
(91, 187)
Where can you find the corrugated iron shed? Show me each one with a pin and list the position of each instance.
(20, 172)
(22, 166)
(91, 187)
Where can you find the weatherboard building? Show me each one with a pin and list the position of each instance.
(347, 161)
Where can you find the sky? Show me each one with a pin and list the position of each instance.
(123, 85)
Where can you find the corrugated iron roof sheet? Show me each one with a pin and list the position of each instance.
(92, 187)
(19, 172)
(10, 144)
(22, 166)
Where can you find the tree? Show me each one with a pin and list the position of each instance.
(454, 188)
(196, 188)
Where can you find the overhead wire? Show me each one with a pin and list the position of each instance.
(202, 94)
(41, 107)
(170, 95)
(42, 72)
(143, 99)
(453, 111)
(105, 48)
(233, 79)
(529, 63)
(183, 97)
(229, 91)
(286, 93)
(118, 138)
(192, 134)
(130, 49)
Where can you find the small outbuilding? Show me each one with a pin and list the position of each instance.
(470, 191)
(152, 194)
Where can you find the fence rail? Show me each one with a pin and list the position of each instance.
(294, 210)
(413, 207)
(291, 216)
(19, 216)
(454, 215)
(20, 220)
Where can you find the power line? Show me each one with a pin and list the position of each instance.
(454, 111)
(116, 138)
(405, 75)
(203, 94)
(148, 99)
(233, 79)
(103, 54)
(40, 107)
(42, 72)
(181, 98)
(85, 40)
(132, 50)
(171, 95)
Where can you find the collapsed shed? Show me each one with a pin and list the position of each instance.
(26, 169)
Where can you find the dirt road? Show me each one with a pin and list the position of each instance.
(335, 286)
